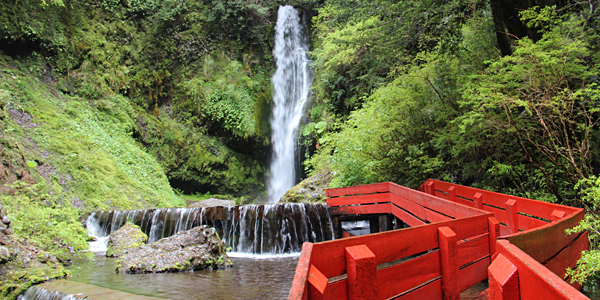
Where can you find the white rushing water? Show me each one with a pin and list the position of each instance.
(291, 83)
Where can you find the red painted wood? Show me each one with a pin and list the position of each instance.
(430, 188)
(536, 243)
(299, 289)
(478, 199)
(557, 215)
(525, 222)
(359, 190)
(473, 274)
(503, 279)
(360, 209)
(452, 193)
(434, 203)
(432, 290)
(528, 206)
(362, 199)
(449, 263)
(407, 275)
(338, 290)
(472, 249)
(535, 281)
(407, 218)
(568, 257)
(512, 216)
(361, 266)
(418, 210)
(494, 233)
(317, 284)
(388, 246)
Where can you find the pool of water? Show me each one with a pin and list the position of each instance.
(253, 277)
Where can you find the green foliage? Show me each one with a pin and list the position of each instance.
(38, 213)
(541, 106)
(589, 263)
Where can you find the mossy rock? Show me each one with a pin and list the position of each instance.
(311, 189)
(128, 237)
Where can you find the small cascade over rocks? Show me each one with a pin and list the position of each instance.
(256, 228)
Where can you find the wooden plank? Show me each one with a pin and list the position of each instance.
(362, 199)
(503, 279)
(407, 275)
(358, 190)
(527, 206)
(299, 288)
(546, 241)
(525, 222)
(445, 207)
(472, 274)
(317, 284)
(432, 290)
(473, 249)
(535, 281)
(407, 218)
(361, 266)
(568, 257)
(338, 290)
(418, 210)
(388, 246)
(448, 263)
(360, 209)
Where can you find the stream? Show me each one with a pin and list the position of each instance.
(252, 277)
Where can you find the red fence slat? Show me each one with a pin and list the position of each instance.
(359, 190)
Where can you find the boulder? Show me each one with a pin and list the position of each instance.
(128, 237)
(195, 249)
(311, 189)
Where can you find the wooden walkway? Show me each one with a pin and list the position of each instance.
(458, 236)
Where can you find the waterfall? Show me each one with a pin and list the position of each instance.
(291, 83)
(256, 228)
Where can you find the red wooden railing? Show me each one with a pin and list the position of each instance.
(448, 248)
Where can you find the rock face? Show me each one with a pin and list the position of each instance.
(195, 249)
(311, 189)
(128, 237)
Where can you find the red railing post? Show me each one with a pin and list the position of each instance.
(478, 197)
(512, 215)
(503, 278)
(494, 230)
(429, 188)
(449, 265)
(361, 266)
(452, 193)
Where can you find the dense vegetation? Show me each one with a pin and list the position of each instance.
(117, 104)
(500, 95)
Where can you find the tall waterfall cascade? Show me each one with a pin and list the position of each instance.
(256, 228)
(291, 82)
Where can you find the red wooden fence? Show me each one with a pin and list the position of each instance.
(448, 248)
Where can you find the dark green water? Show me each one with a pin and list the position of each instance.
(250, 278)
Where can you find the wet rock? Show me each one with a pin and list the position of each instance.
(128, 237)
(212, 202)
(195, 249)
(4, 254)
(309, 190)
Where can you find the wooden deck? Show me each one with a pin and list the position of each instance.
(458, 236)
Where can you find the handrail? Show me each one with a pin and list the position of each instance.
(448, 248)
